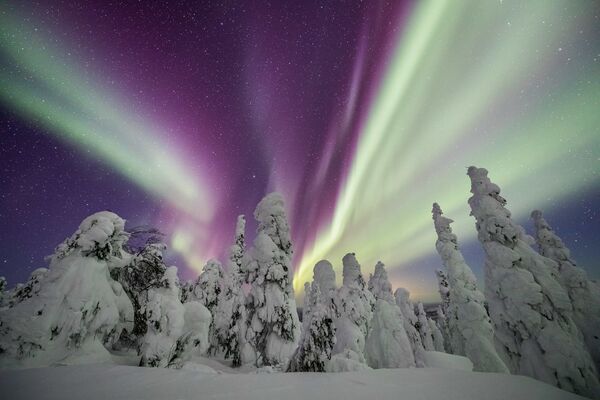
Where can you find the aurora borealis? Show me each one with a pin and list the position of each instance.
(361, 114)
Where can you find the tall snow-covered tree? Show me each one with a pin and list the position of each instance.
(411, 322)
(145, 271)
(584, 294)
(424, 328)
(231, 313)
(470, 328)
(355, 306)
(78, 307)
(442, 323)
(272, 333)
(531, 312)
(318, 333)
(387, 344)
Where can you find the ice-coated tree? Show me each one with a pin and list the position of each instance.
(424, 328)
(584, 294)
(165, 316)
(387, 344)
(354, 305)
(238, 249)
(145, 271)
(271, 334)
(531, 312)
(225, 327)
(442, 323)
(470, 328)
(410, 322)
(436, 335)
(78, 307)
(318, 333)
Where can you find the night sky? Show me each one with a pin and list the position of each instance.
(182, 115)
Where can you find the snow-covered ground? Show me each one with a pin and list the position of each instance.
(105, 381)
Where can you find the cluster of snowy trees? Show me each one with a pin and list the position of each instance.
(539, 314)
(542, 316)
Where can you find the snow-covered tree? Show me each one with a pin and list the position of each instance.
(207, 290)
(194, 338)
(145, 271)
(355, 306)
(410, 322)
(443, 289)
(379, 284)
(271, 335)
(387, 344)
(165, 320)
(78, 307)
(424, 328)
(22, 292)
(530, 310)
(470, 329)
(231, 310)
(324, 276)
(318, 334)
(238, 249)
(436, 335)
(442, 323)
(584, 294)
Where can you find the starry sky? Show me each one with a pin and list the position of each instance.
(183, 114)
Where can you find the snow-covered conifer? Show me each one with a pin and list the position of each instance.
(530, 310)
(443, 288)
(424, 328)
(584, 294)
(387, 344)
(470, 329)
(78, 307)
(318, 334)
(355, 306)
(165, 316)
(22, 292)
(442, 323)
(273, 329)
(436, 335)
(193, 340)
(410, 322)
(207, 290)
(324, 276)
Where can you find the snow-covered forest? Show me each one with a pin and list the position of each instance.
(108, 295)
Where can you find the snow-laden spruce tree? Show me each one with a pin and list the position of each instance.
(164, 314)
(207, 290)
(78, 307)
(387, 344)
(470, 328)
(584, 294)
(272, 333)
(354, 305)
(324, 276)
(175, 332)
(436, 335)
(410, 322)
(24, 291)
(442, 322)
(231, 312)
(145, 271)
(424, 328)
(318, 333)
(531, 312)
(443, 289)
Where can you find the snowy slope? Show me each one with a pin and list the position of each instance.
(94, 382)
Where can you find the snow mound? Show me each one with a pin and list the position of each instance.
(436, 359)
(95, 382)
